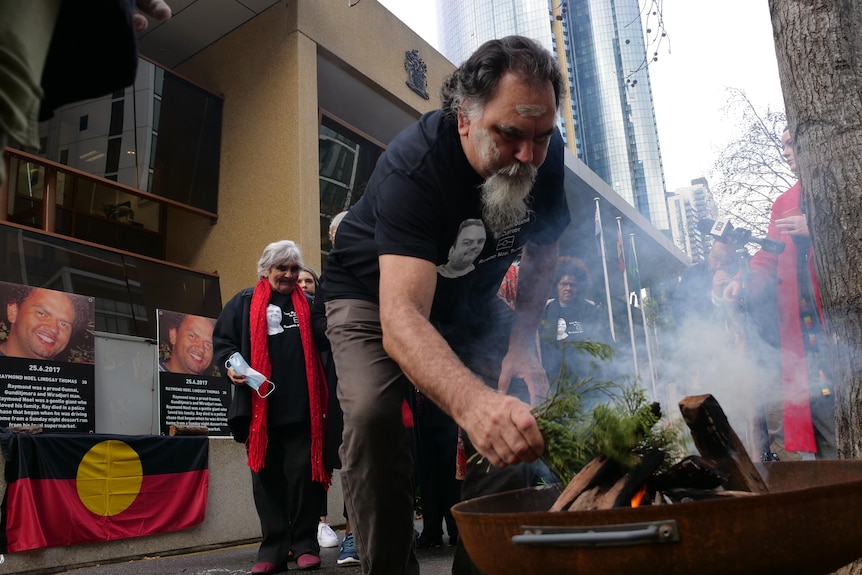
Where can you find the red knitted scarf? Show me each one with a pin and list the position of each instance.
(317, 390)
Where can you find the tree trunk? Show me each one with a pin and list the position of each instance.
(818, 44)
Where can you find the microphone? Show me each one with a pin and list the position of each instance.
(720, 228)
(724, 231)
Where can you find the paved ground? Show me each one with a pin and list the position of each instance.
(240, 559)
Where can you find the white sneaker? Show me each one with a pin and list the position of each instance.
(326, 537)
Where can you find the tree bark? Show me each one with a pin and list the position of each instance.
(818, 45)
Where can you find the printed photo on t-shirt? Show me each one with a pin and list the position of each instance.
(468, 244)
(273, 320)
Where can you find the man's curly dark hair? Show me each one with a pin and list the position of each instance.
(475, 81)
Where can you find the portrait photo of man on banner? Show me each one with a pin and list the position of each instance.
(47, 359)
(45, 324)
(192, 390)
(186, 344)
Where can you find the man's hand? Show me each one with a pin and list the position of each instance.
(157, 9)
(733, 292)
(720, 280)
(503, 430)
(524, 363)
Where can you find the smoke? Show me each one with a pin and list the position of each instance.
(728, 360)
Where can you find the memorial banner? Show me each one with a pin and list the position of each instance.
(47, 352)
(64, 489)
(192, 390)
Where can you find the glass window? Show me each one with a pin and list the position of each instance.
(26, 182)
(127, 290)
(186, 118)
(346, 160)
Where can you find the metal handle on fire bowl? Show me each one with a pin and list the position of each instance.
(598, 535)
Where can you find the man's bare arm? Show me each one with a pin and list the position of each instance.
(535, 278)
(500, 427)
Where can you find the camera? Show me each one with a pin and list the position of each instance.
(723, 230)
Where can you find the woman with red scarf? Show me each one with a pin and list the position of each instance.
(282, 422)
(808, 403)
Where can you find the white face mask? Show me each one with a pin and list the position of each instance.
(254, 378)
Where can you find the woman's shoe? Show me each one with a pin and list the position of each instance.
(308, 561)
(264, 568)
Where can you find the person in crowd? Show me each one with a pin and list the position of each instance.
(326, 535)
(347, 554)
(308, 281)
(439, 488)
(699, 294)
(191, 346)
(717, 347)
(41, 323)
(569, 317)
(333, 225)
(284, 432)
(509, 286)
(492, 153)
(808, 402)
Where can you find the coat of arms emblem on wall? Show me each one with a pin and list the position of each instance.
(416, 73)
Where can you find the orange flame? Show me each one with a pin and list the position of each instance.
(639, 496)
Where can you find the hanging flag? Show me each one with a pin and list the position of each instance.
(600, 239)
(621, 258)
(64, 489)
(622, 262)
(598, 232)
(633, 270)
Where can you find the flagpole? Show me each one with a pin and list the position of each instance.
(643, 317)
(600, 232)
(622, 257)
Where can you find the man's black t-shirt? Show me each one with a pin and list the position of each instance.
(421, 191)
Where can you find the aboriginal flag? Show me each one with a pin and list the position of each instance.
(64, 489)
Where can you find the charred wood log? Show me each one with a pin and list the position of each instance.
(591, 475)
(622, 492)
(692, 472)
(681, 495)
(587, 500)
(715, 439)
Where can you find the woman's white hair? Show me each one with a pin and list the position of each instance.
(277, 253)
(333, 226)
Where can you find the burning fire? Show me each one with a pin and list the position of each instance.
(638, 497)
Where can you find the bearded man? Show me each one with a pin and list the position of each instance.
(492, 153)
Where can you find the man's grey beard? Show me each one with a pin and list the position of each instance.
(504, 196)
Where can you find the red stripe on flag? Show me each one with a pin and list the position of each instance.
(48, 512)
(620, 255)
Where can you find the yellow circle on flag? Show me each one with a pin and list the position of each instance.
(109, 478)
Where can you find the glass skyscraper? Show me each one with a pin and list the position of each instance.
(600, 45)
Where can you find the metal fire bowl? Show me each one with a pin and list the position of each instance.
(807, 524)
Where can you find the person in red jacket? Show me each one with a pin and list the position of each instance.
(807, 393)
